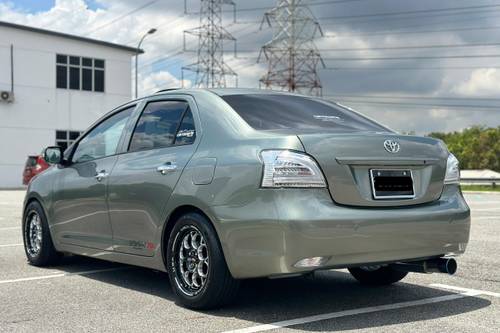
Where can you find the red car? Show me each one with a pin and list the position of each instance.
(34, 165)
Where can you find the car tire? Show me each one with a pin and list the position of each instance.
(196, 266)
(383, 275)
(38, 245)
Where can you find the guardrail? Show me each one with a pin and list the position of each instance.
(480, 181)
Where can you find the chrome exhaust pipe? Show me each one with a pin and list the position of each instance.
(439, 265)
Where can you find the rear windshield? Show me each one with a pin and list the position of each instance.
(274, 112)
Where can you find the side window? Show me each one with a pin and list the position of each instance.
(186, 133)
(158, 125)
(103, 140)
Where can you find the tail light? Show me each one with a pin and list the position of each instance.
(285, 168)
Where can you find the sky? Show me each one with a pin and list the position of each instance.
(373, 51)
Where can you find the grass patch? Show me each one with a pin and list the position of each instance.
(480, 188)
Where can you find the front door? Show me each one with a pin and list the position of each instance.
(80, 206)
(163, 141)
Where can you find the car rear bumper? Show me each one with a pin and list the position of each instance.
(270, 234)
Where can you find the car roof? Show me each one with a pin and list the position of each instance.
(224, 91)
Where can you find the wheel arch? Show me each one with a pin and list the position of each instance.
(170, 222)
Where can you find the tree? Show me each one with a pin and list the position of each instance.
(477, 147)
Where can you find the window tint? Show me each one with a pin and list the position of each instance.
(157, 125)
(270, 111)
(62, 77)
(186, 133)
(86, 79)
(98, 81)
(102, 140)
(74, 78)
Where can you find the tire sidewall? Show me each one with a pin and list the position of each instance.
(216, 259)
(41, 257)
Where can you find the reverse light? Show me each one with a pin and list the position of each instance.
(311, 262)
(285, 168)
(452, 170)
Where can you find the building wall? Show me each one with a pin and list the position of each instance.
(30, 123)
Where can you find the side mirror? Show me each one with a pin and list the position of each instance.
(53, 155)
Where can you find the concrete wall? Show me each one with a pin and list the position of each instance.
(29, 124)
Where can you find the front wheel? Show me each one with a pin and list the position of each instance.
(377, 275)
(196, 266)
(38, 244)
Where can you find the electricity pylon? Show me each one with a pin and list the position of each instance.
(291, 55)
(210, 68)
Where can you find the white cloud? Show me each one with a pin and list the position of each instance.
(482, 82)
(363, 77)
(160, 80)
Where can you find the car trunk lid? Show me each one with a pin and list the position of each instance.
(349, 159)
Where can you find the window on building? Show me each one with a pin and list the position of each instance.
(64, 139)
(79, 73)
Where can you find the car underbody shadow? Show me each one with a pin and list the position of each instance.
(263, 301)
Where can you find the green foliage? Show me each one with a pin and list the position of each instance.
(476, 147)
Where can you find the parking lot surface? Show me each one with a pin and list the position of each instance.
(85, 294)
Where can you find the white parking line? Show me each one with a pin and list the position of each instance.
(484, 210)
(10, 228)
(465, 292)
(43, 277)
(11, 245)
(482, 292)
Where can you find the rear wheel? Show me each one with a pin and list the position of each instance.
(197, 269)
(377, 275)
(38, 244)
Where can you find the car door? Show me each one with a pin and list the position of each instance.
(161, 144)
(80, 209)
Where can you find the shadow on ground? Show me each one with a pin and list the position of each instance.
(263, 301)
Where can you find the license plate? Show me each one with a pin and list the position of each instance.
(392, 184)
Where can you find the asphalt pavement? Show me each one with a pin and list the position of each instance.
(85, 294)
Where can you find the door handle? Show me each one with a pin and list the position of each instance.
(101, 175)
(166, 168)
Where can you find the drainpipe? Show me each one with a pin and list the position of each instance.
(12, 68)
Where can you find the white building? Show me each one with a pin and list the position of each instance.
(53, 86)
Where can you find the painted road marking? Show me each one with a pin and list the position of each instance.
(464, 292)
(485, 210)
(482, 292)
(10, 228)
(11, 245)
(56, 275)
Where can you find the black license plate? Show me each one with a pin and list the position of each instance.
(392, 184)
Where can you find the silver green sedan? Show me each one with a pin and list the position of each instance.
(216, 186)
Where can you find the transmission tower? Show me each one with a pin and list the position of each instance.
(210, 68)
(291, 55)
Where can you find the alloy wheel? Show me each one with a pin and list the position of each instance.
(34, 234)
(191, 260)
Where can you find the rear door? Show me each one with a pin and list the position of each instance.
(160, 146)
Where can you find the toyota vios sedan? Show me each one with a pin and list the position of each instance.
(215, 186)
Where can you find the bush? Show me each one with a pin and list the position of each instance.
(476, 147)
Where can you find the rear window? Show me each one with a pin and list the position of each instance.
(273, 112)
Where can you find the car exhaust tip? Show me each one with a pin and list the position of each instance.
(439, 265)
(447, 265)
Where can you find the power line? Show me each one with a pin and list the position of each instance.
(416, 57)
(397, 97)
(408, 68)
(392, 32)
(438, 105)
(410, 12)
(410, 47)
(133, 11)
(318, 3)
